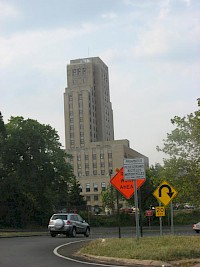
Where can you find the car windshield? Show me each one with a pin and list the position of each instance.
(59, 216)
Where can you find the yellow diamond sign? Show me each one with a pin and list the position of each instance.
(165, 193)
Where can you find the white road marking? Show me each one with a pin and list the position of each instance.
(55, 251)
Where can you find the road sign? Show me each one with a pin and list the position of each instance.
(149, 213)
(125, 187)
(160, 211)
(134, 169)
(165, 193)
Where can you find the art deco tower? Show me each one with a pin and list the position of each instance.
(88, 110)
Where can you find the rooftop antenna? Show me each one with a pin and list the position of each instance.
(88, 52)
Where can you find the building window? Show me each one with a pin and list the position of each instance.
(101, 156)
(95, 187)
(79, 174)
(110, 164)
(102, 164)
(87, 173)
(103, 186)
(96, 198)
(82, 141)
(86, 157)
(78, 157)
(94, 172)
(79, 166)
(110, 155)
(87, 187)
(87, 165)
(102, 172)
(81, 189)
(74, 72)
(94, 165)
(94, 156)
(87, 198)
(83, 70)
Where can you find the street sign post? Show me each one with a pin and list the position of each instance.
(149, 213)
(165, 193)
(134, 170)
(127, 188)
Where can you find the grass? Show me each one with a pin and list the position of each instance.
(19, 233)
(165, 248)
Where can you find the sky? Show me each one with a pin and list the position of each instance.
(151, 47)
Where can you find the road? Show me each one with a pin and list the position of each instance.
(38, 251)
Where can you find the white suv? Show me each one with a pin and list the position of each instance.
(69, 224)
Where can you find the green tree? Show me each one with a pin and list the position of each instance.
(36, 178)
(183, 165)
(2, 141)
(2, 128)
(109, 198)
(76, 200)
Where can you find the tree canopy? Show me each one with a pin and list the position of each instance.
(35, 179)
(182, 167)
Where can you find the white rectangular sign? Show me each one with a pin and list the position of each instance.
(134, 169)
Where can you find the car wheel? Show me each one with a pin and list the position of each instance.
(73, 232)
(53, 234)
(197, 231)
(87, 232)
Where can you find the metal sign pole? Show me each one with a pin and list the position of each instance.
(172, 218)
(160, 219)
(136, 209)
(140, 212)
(119, 228)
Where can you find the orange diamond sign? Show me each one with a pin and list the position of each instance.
(125, 187)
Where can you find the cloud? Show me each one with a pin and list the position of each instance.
(37, 44)
(8, 11)
(152, 43)
(110, 15)
(188, 2)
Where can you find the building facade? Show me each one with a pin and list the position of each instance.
(89, 130)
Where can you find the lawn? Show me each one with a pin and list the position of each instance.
(165, 248)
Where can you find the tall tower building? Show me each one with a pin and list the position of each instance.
(88, 110)
(89, 130)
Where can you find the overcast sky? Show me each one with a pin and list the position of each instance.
(151, 47)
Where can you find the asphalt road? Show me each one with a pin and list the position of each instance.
(38, 251)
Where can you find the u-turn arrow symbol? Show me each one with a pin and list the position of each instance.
(170, 193)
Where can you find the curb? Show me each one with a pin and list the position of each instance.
(124, 261)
